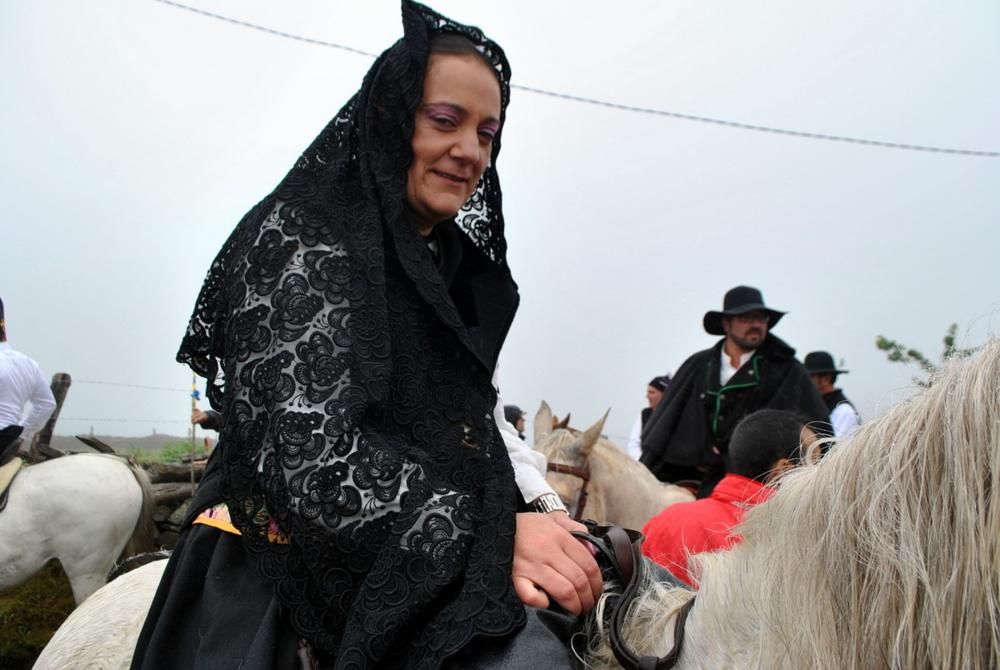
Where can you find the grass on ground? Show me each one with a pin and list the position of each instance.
(31, 613)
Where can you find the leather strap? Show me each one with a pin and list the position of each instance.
(621, 549)
(583, 472)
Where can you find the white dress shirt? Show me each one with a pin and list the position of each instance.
(844, 420)
(726, 369)
(22, 382)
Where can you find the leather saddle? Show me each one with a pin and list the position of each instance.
(10, 443)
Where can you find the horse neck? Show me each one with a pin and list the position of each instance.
(628, 489)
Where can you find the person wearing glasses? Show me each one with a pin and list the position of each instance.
(686, 440)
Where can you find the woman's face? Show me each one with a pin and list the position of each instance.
(452, 137)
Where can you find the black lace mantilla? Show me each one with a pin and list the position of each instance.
(356, 401)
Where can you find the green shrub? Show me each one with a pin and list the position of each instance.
(174, 452)
(31, 613)
(144, 456)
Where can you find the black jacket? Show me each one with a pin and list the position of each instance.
(697, 413)
(836, 397)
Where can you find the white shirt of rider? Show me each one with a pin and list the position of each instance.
(726, 369)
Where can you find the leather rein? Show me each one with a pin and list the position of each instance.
(621, 550)
(583, 472)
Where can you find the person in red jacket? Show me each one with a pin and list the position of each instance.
(764, 445)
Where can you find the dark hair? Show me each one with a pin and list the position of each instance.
(455, 44)
(3, 324)
(660, 382)
(762, 439)
(512, 413)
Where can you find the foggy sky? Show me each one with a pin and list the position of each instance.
(136, 134)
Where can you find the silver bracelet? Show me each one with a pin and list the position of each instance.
(547, 502)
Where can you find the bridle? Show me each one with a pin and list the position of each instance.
(620, 549)
(583, 472)
(630, 659)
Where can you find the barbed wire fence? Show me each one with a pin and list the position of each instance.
(118, 419)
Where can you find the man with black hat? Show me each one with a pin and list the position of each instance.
(843, 416)
(21, 382)
(687, 437)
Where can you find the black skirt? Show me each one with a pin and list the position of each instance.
(212, 611)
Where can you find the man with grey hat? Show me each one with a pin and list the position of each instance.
(686, 440)
(21, 383)
(844, 418)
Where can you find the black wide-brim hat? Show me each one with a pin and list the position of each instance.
(821, 363)
(740, 300)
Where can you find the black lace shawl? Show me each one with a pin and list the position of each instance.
(357, 404)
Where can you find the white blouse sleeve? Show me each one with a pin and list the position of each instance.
(529, 465)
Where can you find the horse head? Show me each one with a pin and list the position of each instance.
(568, 454)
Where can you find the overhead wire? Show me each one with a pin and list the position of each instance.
(615, 105)
(134, 386)
(119, 420)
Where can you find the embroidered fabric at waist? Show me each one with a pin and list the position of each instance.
(217, 516)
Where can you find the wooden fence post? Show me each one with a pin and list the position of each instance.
(40, 445)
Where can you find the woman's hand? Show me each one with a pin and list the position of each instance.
(551, 563)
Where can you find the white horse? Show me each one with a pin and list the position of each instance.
(620, 490)
(81, 509)
(102, 632)
(884, 555)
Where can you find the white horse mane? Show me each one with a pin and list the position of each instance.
(886, 554)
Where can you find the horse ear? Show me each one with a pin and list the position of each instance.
(543, 421)
(589, 438)
(564, 424)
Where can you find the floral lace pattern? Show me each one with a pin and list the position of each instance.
(357, 407)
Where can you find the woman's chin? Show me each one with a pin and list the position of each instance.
(427, 217)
